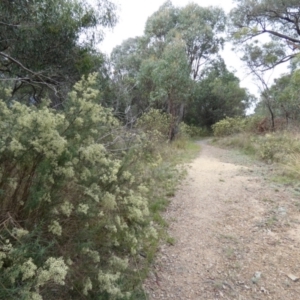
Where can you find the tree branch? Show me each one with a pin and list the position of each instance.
(11, 25)
(42, 79)
(282, 35)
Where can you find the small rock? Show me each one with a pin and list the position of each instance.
(263, 290)
(256, 277)
(282, 211)
(293, 277)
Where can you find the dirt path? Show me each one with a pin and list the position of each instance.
(237, 234)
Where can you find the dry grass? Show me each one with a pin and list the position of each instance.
(282, 147)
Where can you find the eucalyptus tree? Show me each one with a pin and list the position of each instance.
(200, 28)
(216, 96)
(268, 33)
(46, 45)
(126, 60)
(170, 76)
(165, 67)
(142, 80)
(285, 93)
(277, 21)
(143, 66)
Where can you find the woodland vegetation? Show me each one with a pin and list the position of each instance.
(272, 133)
(90, 144)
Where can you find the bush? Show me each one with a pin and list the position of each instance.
(155, 123)
(277, 147)
(72, 215)
(192, 131)
(229, 126)
(281, 147)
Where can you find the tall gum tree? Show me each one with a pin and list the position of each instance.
(126, 60)
(268, 32)
(276, 20)
(216, 96)
(172, 81)
(162, 68)
(200, 28)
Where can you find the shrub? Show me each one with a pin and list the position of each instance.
(193, 131)
(155, 123)
(72, 215)
(153, 128)
(276, 147)
(229, 126)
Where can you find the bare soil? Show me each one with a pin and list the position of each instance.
(237, 233)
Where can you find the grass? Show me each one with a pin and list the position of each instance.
(284, 179)
(171, 240)
(282, 148)
(229, 253)
(186, 154)
(164, 181)
(271, 221)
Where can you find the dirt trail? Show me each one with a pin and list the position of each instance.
(237, 233)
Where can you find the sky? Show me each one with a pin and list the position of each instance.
(133, 15)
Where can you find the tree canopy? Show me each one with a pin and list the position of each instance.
(48, 45)
(217, 96)
(199, 28)
(162, 68)
(276, 19)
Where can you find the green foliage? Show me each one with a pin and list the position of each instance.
(156, 126)
(278, 147)
(167, 79)
(47, 45)
(81, 198)
(229, 126)
(275, 18)
(217, 95)
(285, 96)
(157, 70)
(192, 131)
(73, 214)
(278, 22)
(198, 27)
(155, 122)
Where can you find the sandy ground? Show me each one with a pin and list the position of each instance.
(237, 233)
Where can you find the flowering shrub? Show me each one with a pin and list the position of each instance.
(72, 214)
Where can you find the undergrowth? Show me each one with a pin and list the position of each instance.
(81, 198)
(281, 147)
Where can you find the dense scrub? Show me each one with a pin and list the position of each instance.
(80, 199)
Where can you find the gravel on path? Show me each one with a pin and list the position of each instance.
(237, 234)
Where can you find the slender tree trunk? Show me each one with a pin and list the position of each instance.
(272, 115)
(181, 112)
(172, 112)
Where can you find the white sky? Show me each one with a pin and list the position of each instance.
(133, 15)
